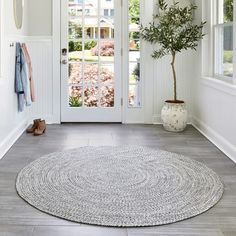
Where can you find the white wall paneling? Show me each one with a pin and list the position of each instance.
(215, 114)
(40, 49)
(164, 82)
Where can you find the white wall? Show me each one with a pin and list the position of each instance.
(163, 82)
(214, 111)
(12, 123)
(40, 17)
(8, 19)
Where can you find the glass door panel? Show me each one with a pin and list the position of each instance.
(134, 98)
(93, 80)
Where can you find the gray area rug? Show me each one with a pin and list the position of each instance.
(119, 186)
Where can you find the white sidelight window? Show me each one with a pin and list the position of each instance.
(223, 30)
(134, 99)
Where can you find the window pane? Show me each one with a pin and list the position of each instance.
(75, 29)
(91, 96)
(224, 51)
(106, 12)
(75, 96)
(107, 50)
(75, 73)
(107, 96)
(134, 95)
(134, 72)
(228, 10)
(134, 54)
(225, 11)
(90, 7)
(91, 28)
(90, 75)
(107, 74)
(106, 7)
(75, 9)
(228, 51)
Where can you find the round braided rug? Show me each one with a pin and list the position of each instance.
(119, 186)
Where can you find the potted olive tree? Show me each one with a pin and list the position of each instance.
(173, 31)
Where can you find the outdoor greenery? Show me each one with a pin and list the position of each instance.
(228, 10)
(136, 71)
(75, 30)
(134, 10)
(228, 56)
(134, 18)
(77, 46)
(173, 31)
(75, 102)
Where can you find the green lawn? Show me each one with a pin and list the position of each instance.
(228, 56)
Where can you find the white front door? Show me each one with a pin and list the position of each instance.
(91, 61)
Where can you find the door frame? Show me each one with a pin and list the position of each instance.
(145, 114)
(56, 51)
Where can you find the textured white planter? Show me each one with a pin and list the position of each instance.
(174, 116)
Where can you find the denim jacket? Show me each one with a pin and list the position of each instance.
(21, 80)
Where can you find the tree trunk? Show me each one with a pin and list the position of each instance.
(174, 75)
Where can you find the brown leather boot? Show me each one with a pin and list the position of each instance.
(31, 129)
(41, 128)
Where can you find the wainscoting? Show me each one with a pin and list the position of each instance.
(13, 123)
(40, 49)
(214, 114)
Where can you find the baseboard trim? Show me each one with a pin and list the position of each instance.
(220, 142)
(50, 120)
(7, 143)
(156, 120)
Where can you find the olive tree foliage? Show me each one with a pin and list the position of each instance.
(173, 31)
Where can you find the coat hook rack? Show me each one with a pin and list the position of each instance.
(12, 44)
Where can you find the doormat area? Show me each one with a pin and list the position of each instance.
(122, 186)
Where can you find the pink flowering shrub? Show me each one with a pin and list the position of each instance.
(106, 48)
(90, 80)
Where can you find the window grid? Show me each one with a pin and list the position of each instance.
(223, 46)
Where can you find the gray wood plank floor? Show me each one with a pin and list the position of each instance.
(17, 218)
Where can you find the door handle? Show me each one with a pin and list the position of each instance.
(64, 62)
(64, 51)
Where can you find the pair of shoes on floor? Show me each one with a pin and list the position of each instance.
(38, 127)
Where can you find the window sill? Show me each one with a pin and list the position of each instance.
(219, 85)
